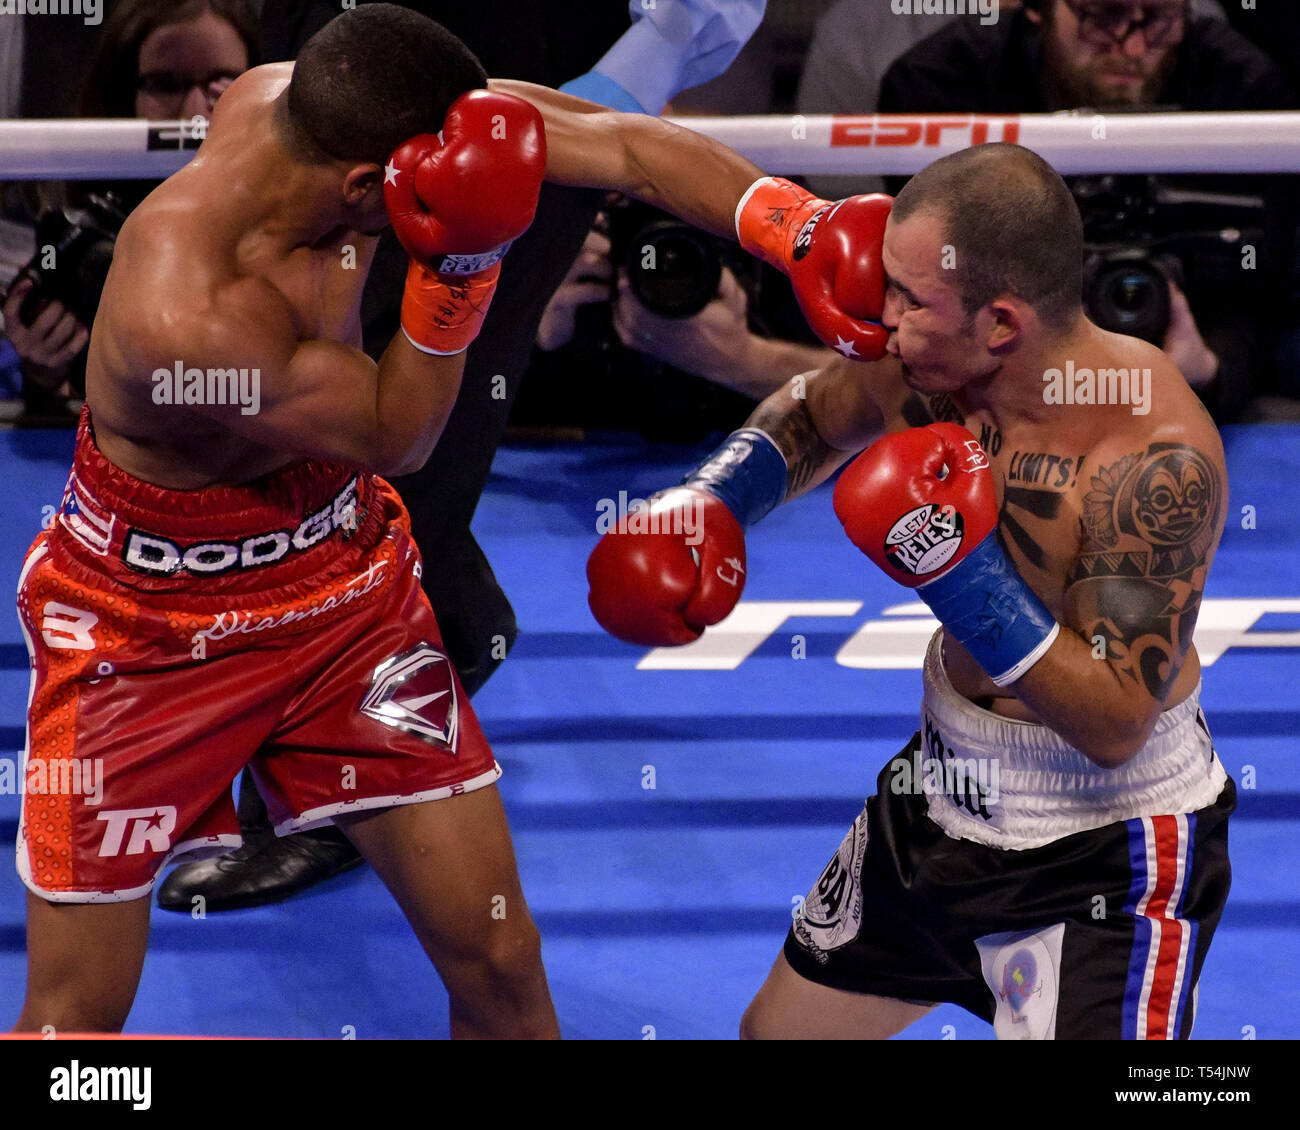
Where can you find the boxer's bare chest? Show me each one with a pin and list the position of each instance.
(1042, 478)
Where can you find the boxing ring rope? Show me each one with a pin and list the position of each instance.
(789, 144)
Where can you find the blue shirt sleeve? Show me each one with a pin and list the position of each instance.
(671, 46)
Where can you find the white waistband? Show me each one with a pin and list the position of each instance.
(1014, 784)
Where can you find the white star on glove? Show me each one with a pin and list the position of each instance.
(845, 347)
(390, 173)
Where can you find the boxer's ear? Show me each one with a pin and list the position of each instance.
(361, 180)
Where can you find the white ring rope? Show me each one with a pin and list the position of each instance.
(822, 143)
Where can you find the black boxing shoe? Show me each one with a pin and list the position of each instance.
(265, 869)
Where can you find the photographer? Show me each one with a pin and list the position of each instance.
(1219, 312)
(690, 311)
(155, 59)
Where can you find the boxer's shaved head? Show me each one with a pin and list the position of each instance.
(373, 78)
(1012, 223)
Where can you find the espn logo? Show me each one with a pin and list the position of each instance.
(884, 130)
(150, 830)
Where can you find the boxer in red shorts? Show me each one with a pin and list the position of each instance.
(228, 580)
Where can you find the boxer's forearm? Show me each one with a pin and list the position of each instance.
(810, 460)
(415, 394)
(683, 172)
(765, 365)
(1089, 701)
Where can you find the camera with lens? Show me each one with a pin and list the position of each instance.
(673, 268)
(1141, 233)
(74, 249)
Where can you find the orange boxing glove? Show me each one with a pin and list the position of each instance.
(457, 199)
(831, 251)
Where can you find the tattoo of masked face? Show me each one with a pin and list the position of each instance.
(1150, 522)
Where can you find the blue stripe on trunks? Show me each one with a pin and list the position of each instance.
(1137, 852)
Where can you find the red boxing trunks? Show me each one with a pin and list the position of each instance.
(176, 636)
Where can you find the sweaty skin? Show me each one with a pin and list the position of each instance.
(1111, 517)
(246, 259)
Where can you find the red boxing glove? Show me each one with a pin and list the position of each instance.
(917, 502)
(831, 253)
(668, 571)
(456, 200)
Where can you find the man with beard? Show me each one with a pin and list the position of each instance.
(1107, 55)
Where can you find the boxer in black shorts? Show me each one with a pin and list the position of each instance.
(1050, 850)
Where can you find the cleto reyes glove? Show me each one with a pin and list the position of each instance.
(922, 505)
(831, 251)
(676, 566)
(457, 199)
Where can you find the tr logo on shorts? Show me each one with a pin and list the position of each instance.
(151, 828)
(416, 692)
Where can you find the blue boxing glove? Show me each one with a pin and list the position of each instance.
(922, 505)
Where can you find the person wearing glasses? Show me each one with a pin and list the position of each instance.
(1115, 55)
(162, 60)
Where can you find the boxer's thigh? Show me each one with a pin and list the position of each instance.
(383, 720)
(83, 964)
(1129, 970)
(869, 951)
(451, 866)
(132, 741)
(791, 1007)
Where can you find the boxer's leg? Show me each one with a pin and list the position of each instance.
(83, 964)
(789, 1007)
(451, 866)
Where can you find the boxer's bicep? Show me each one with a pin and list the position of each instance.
(686, 173)
(314, 399)
(1151, 521)
(583, 145)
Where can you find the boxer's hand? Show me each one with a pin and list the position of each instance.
(467, 192)
(664, 588)
(922, 505)
(456, 201)
(831, 251)
(918, 501)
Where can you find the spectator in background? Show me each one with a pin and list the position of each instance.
(156, 59)
(853, 45)
(1065, 54)
(672, 44)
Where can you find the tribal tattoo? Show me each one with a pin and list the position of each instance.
(1150, 521)
(805, 451)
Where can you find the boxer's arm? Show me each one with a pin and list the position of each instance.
(1151, 523)
(683, 172)
(323, 399)
(820, 420)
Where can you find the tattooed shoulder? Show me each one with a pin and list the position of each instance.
(1150, 521)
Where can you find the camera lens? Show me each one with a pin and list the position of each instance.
(673, 269)
(1129, 295)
